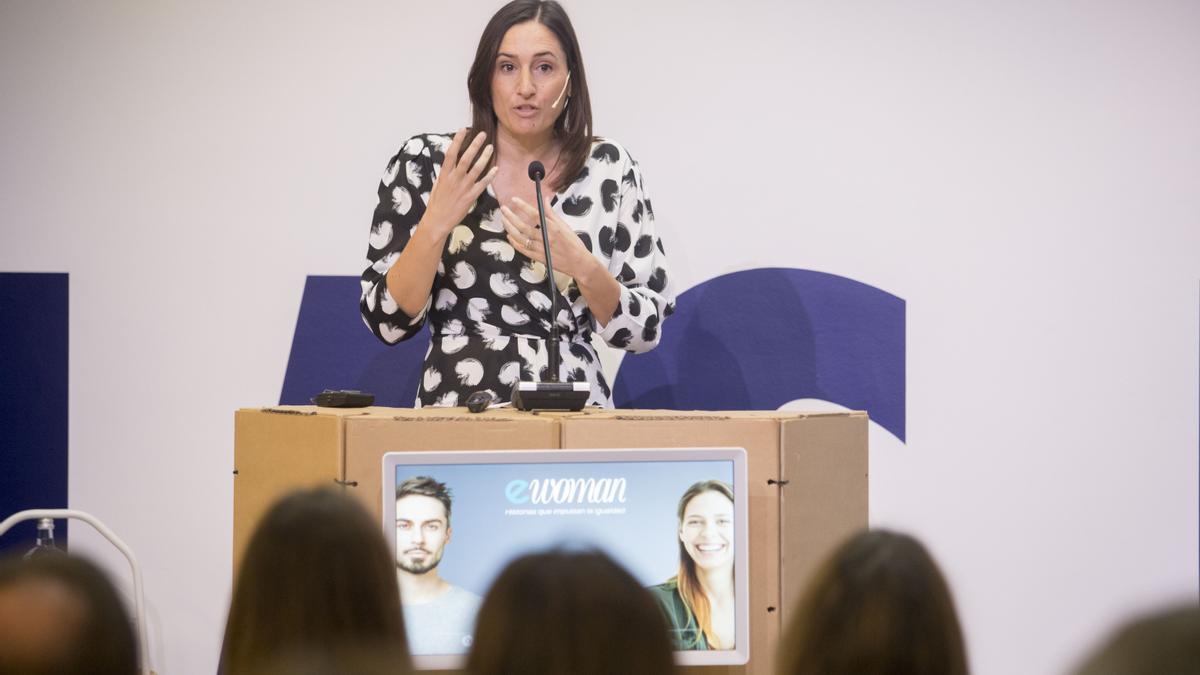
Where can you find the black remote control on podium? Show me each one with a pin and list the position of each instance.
(343, 398)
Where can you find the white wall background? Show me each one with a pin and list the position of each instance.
(1025, 174)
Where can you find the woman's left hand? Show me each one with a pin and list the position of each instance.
(521, 223)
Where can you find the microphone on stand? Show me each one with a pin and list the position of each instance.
(551, 395)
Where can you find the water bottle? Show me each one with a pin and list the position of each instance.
(45, 540)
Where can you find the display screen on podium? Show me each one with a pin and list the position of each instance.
(455, 519)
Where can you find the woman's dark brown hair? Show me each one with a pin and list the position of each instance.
(92, 631)
(879, 605)
(316, 576)
(569, 612)
(573, 128)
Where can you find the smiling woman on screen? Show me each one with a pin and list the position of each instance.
(699, 601)
(455, 239)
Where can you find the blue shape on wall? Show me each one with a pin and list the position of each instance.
(33, 401)
(751, 340)
(333, 349)
(757, 339)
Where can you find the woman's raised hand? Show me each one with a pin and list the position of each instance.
(459, 183)
(521, 223)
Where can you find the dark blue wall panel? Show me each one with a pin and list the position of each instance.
(333, 349)
(33, 400)
(751, 340)
(757, 339)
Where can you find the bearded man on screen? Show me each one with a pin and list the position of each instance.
(439, 616)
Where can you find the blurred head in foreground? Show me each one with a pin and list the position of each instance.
(60, 614)
(371, 660)
(316, 577)
(569, 612)
(878, 605)
(1164, 643)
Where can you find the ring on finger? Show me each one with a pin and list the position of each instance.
(528, 242)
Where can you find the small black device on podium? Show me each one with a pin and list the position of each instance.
(343, 398)
(478, 401)
(551, 395)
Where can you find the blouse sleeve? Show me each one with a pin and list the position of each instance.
(401, 190)
(639, 264)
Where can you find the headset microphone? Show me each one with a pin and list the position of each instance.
(554, 106)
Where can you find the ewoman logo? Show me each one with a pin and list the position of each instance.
(566, 491)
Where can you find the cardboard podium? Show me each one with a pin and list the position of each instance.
(807, 473)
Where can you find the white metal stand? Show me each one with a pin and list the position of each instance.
(139, 604)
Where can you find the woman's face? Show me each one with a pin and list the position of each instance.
(530, 74)
(707, 530)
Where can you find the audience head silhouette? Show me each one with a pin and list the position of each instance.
(1163, 643)
(569, 612)
(879, 605)
(316, 577)
(361, 660)
(60, 614)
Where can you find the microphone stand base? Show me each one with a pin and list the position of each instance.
(571, 396)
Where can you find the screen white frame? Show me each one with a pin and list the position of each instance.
(740, 655)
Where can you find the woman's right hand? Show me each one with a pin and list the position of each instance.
(458, 184)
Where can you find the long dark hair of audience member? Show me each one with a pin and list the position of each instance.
(569, 612)
(61, 614)
(879, 605)
(1166, 642)
(316, 577)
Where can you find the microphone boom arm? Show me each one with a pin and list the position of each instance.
(552, 355)
(551, 394)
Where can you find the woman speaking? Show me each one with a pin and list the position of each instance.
(455, 239)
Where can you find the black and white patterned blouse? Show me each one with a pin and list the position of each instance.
(489, 311)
